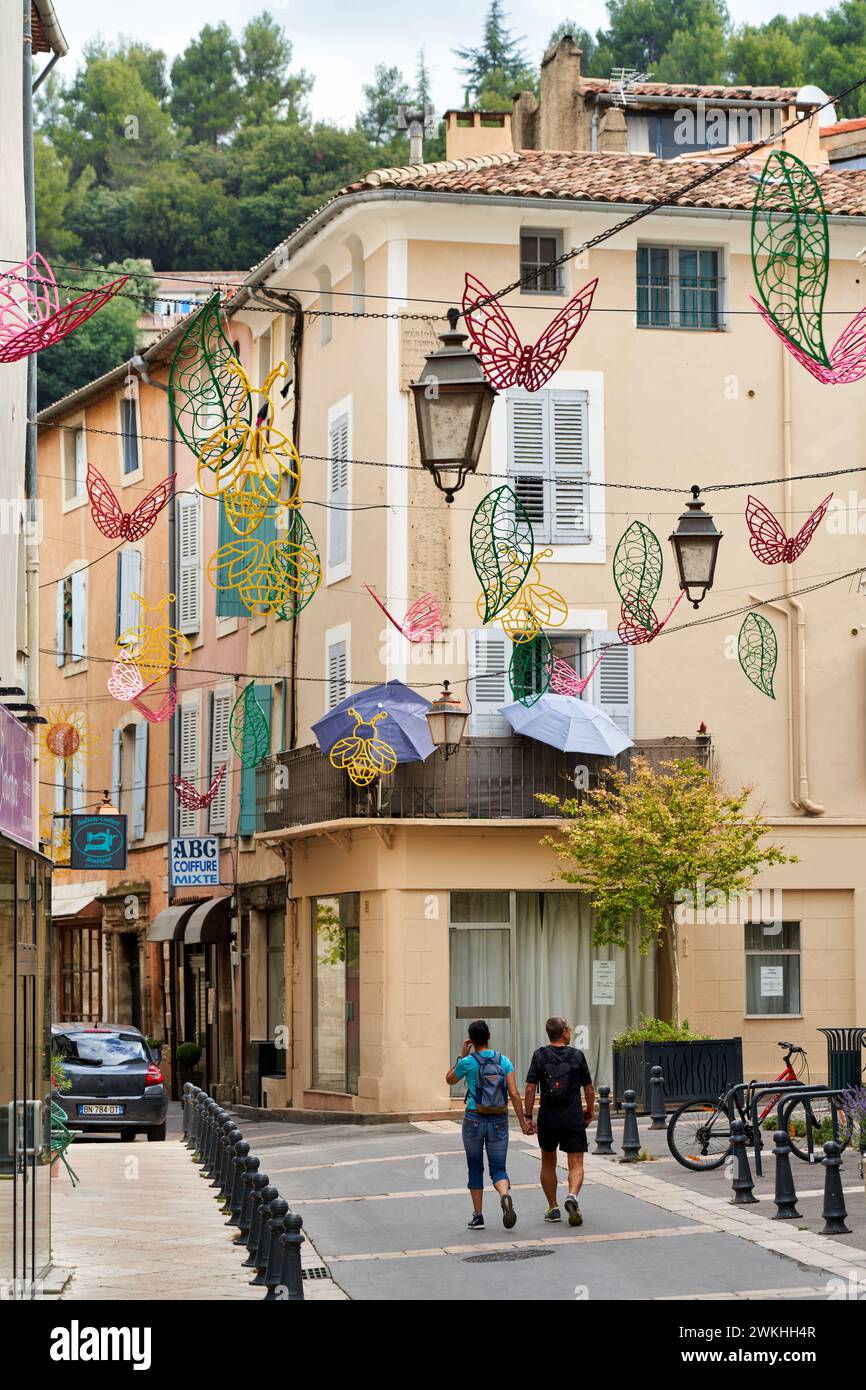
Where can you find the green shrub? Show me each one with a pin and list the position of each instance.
(188, 1054)
(657, 1030)
(59, 1080)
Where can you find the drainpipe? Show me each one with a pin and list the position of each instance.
(31, 484)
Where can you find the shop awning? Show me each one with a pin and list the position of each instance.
(70, 899)
(210, 923)
(169, 924)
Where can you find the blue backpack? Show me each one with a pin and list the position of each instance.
(491, 1087)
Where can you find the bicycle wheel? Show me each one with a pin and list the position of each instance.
(699, 1135)
(821, 1112)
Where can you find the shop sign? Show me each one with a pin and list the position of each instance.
(194, 861)
(16, 779)
(97, 842)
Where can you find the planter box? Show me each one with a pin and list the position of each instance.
(692, 1070)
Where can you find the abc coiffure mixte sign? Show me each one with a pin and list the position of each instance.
(16, 780)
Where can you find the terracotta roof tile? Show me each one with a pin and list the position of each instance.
(694, 90)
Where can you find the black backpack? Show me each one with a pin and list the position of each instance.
(556, 1087)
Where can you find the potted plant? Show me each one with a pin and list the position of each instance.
(187, 1058)
(693, 1064)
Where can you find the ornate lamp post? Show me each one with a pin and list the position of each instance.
(696, 546)
(453, 399)
(446, 719)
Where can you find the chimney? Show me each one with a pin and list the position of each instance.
(561, 103)
(613, 132)
(804, 139)
(469, 134)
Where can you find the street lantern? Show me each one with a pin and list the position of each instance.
(446, 719)
(105, 807)
(453, 399)
(696, 545)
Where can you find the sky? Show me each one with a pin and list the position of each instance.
(341, 41)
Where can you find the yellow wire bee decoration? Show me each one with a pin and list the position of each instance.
(534, 607)
(280, 575)
(364, 756)
(252, 467)
(156, 648)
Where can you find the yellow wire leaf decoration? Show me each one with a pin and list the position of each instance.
(156, 648)
(251, 465)
(534, 607)
(364, 755)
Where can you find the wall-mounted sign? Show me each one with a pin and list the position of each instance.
(604, 981)
(194, 861)
(16, 779)
(97, 842)
(772, 981)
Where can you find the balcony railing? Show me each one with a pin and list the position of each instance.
(487, 779)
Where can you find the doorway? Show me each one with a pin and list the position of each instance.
(336, 993)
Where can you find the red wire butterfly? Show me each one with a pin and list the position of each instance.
(422, 622)
(31, 317)
(768, 540)
(194, 800)
(633, 634)
(110, 517)
(507, 361)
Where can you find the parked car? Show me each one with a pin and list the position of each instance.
(116, 1080)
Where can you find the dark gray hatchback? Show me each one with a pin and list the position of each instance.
(116, 1081)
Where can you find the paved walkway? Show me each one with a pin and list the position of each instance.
(142, 1224)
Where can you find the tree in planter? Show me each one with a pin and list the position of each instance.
(639, 842)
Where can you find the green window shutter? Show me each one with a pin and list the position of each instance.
(229, 603)
(247, 816)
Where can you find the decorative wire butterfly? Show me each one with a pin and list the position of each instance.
(364, 756)
(126, 683)
(633, 633)
(768, 541)
(31, 317)
(422, 623)
(507, 361)
(564, 680)
(195, 800)
(110, 517)
(534, 607)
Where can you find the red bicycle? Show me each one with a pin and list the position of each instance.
(699, 1132)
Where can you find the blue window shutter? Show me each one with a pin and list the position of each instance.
(247, 816)
(139, 783)
(79, 615)
(116, 743)
(61, 625)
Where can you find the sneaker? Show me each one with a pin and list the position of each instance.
(477, 1222)
(574, 1216)
(553, 1214)
(509, 1215)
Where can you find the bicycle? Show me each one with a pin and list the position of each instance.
(699, 1132)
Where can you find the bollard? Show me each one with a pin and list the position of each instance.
(835, 1211)
(263, 1249)
(630, 1131)
(187, 1087)
(191, 1139)
(260, 1183)
(658, 1112)
(276, 1226)
(215, 1112)
(742, 1187)
(251, 1168)
(232, 1207)
(228, 1135)
(207, 1120)
(603, 1131)
(291, 1277)
(785, 1195)
(198, 1125)
(224, 1123)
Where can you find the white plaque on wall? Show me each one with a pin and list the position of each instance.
(603, 981)
(772, 981)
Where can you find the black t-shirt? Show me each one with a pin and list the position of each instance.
(568, 1113)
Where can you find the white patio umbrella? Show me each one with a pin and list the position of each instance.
(572, 725)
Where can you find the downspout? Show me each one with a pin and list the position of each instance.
(31, 483)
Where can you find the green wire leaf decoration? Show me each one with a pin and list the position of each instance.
(789, 228)
(637, 572)
(296, 568)
(249, 729)
(204, 396)
(529, 669)
(758, 651)
(502, 546)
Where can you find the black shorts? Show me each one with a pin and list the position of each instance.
(570, 1139)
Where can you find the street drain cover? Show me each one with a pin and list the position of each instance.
(505, 1255)
(315, 1272)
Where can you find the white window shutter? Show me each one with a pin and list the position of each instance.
(139, 783)
(61, 622)
(79, 614)
(79, 794)
(188, 564)
(528, 453)
(569, 467)
(337, 684)
(489, 655)
(338, 492)
(116, 748)
(189, 764)
(614, 681)
(128, 583)
(80, 460)
(218, 813)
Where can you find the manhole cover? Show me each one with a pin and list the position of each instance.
(505, 1255)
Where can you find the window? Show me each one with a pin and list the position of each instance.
(229, 603)
(548, 462)
(71, 633)
(221, 702)
(264, 346)
(188, 514)
(679, 287)
(537, 250)
(129, 434)
(339, 493)
(773, 968)
(74, 462)
(336, 993)
(277, 981)
(337, 675)
(188, 763)
(128, 583)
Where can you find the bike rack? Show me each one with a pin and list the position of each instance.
(757, 1090)
(807, 1094)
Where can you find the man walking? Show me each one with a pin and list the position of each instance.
(561, 1072)
(490, 1083)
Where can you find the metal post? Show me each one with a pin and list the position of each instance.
(785, 1195)
(232, 1208)
(276, 1226)
(260, 1187)
(263, 1249)
(251, 1168)
(291, 1276)
(742, 1187)
(603, 1130)
(658, 1112)
(630, 1131)
(835, 1211)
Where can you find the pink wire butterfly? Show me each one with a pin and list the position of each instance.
(194, 800)
(847, 355)
(767, 539)
(126, 683)
(507, 361)
(31, 316)
(422, 623)
(565, 681)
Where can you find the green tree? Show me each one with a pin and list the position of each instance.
(205, 90)
(100, 344)
(270, 90)
(58, 201)
(696, 54)
(499, 67)
(388, 90)
(637, 845)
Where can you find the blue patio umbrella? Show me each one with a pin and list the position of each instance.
(572, 725)
(405, 729)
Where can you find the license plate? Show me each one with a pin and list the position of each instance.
(102, 1109)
